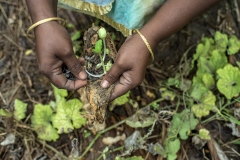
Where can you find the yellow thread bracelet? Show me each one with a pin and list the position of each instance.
(146, 42)
(63, 22)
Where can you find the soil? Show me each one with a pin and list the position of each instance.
(20, 78)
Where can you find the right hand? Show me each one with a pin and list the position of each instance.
(54, 47)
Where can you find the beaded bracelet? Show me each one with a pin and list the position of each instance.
(146, 42)
(63, 22)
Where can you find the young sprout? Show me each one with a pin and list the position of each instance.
(98, 49)
(102, 33)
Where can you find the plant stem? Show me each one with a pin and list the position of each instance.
(104, 49)
(114, 150)
(156, 101)
(99, 134)
(104, 70)
(94, 75)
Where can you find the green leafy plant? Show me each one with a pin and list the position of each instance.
(181, 126)
(228, 83)
(19, 112)
(41, 122)
(214, 82)
(121, 100)
(50, 120)
(213, 70)
(233, 45)
(5, 113)
(204, 134)
(101, 50)
(62, 117)
(68, 116)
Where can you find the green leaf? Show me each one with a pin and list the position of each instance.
(68, 116)
(70, 25)
(59, 93)
(204, 67)
(217, 60)
(183, 123)
(228, 83)
(5, 113)
(185, 84)
(204, 134)
(41, 122)
(167, 94)
(76, 36)
(202, 49)
(200, 111)
(155, 106)
(98, 47)
(172, 156)
(19, 109)
(142, 118)
(233, 45)
(208, 80)
(173, 147)
(206, 104)
(173, 81)
(221, 41)
(158, 149)
(108, 66)
(148, 121)
(121, 100)
(212, 63)
(198, 89)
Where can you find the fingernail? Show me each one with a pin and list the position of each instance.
(105, 84)
(82, 75)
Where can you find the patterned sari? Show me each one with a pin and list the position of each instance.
(123, 15)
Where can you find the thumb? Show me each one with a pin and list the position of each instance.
(112, 75)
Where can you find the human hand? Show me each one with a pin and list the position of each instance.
(54, 47)
(129, 67)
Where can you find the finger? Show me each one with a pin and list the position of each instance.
(60, 81)
(81, 60)
(75, 66)
(112, 75)
(124, 85)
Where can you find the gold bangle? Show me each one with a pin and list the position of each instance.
(63, 22)
(147, 44)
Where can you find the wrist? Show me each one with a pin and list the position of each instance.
(42, 9)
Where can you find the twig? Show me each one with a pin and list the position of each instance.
(237, 11)
(4, 101)
(3, 12)
(147, 155)
(14, 43)
(226, 144)
(8, 2)
(6, 17)
(28, 150)
(53, 149)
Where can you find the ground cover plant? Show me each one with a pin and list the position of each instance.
(186, 108)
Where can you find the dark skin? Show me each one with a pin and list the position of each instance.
(54, 45)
